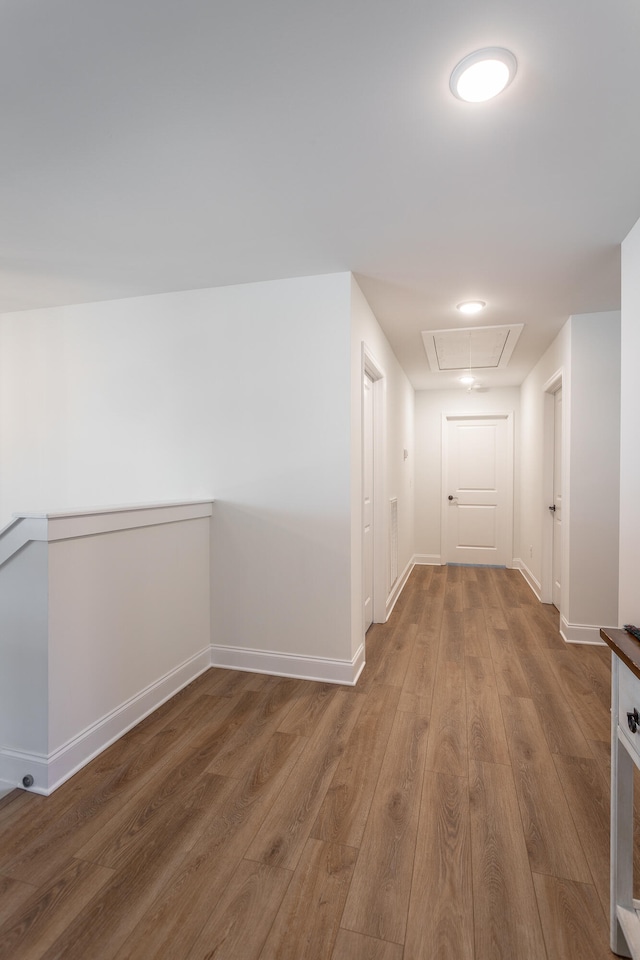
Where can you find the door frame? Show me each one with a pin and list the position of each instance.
(550, 388)
(507, 416)
(375, 372)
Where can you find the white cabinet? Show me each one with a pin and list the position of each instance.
(625, 752)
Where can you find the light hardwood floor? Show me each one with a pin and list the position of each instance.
(455, 804)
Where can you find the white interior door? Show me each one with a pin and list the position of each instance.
(477, 513)
(556, 507)
(367, 505)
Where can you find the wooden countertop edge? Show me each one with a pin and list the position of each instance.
(624, 645)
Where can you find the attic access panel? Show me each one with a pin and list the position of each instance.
(478, 348)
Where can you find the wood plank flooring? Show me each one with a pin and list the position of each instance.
(452, 806)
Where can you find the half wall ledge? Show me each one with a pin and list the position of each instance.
(105, 613)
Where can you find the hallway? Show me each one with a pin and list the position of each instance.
(453, 805)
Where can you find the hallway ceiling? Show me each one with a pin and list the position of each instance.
(150, 146)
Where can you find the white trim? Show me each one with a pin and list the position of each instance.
(580, 633)
(15, 765)
(50, 527)
(429, 559)
(398, 588)
(554, 382)
(531, 580)
(49, 772)
(274, 664)
(123, 508)
(68, 526)
(18, 533)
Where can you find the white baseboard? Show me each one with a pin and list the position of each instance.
(427, 559)
(533, 582)
(49, 772)
(398, 587)
(15, 765)
(289, 665)
(580, 633)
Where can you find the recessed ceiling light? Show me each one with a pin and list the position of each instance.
(471, 306)
(483, 74)
(467, 379)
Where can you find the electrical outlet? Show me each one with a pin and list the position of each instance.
(531, 550)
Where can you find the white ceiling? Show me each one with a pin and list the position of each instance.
(150, 145)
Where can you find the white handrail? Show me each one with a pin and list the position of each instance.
(90, 521)
(18, 533)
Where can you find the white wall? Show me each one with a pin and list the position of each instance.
(126, 609)
(24, 667)
(595, 457)
(398, 417)
(242, 393)
(430, 405)
(587, 352)
(629, 595)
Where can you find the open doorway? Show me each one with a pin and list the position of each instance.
(374, 580)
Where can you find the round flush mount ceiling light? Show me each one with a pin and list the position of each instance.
(483, 74)
(471, 306)
(467, 379)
